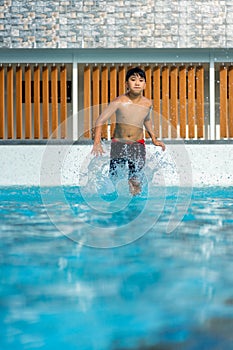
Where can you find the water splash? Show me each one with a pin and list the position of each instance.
(109, 206)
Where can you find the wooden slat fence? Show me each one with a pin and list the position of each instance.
(177, 92)
(225, 100)
(33, 101)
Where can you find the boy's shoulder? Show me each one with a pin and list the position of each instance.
(146, 102)
(121, 98)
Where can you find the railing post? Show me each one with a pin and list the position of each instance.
(75, 134)
(212, 132)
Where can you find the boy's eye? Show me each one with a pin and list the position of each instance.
(133, 79)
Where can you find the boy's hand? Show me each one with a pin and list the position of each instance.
(97, 149)
(159, 143)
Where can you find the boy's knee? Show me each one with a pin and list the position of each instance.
(135, 186)
(135, 181)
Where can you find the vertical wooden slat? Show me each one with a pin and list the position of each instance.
(182, 97)
(10, 102)
(156, 98)
(165, 100)
(28, 113)
(36, 102)
(230, 122)
(121, 80)
(200, 101)
(191, 101)
(87, 102)
(54, 100)
(63, 102)
(174, 101)
(19, 107)
(104, 97)
(223, 101)
(113, 83)
(45, 106)
(95, 95)
(113, 94)
(148, 89)
(2, 102)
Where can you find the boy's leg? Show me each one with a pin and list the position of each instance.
(135, 186)
(136, 163)
(117, 160)
(115, 165)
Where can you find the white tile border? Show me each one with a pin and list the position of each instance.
(35, 165)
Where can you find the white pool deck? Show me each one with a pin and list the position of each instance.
(55, 164)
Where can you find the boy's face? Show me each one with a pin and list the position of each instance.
(136, 84)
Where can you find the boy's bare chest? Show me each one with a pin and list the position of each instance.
(132, 114)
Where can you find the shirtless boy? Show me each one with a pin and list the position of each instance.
(128, 146)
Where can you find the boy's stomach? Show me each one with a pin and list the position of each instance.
(128, 133)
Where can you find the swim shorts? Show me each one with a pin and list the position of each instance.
(131, 153)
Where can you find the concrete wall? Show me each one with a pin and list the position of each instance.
(52, 165)
(115, 24)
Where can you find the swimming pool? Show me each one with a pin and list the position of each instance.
(154, 290)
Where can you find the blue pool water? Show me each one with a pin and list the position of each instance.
(142, 288)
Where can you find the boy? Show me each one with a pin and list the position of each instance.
(128, 146)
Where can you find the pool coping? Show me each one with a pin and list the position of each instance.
(60, 142)
(198, 162)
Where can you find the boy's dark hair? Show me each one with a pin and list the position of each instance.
(135, 71)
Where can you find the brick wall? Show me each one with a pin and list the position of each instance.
(115, 24)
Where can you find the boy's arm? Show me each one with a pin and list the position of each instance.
(149, 128)
(100, 121)
(97, 148)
